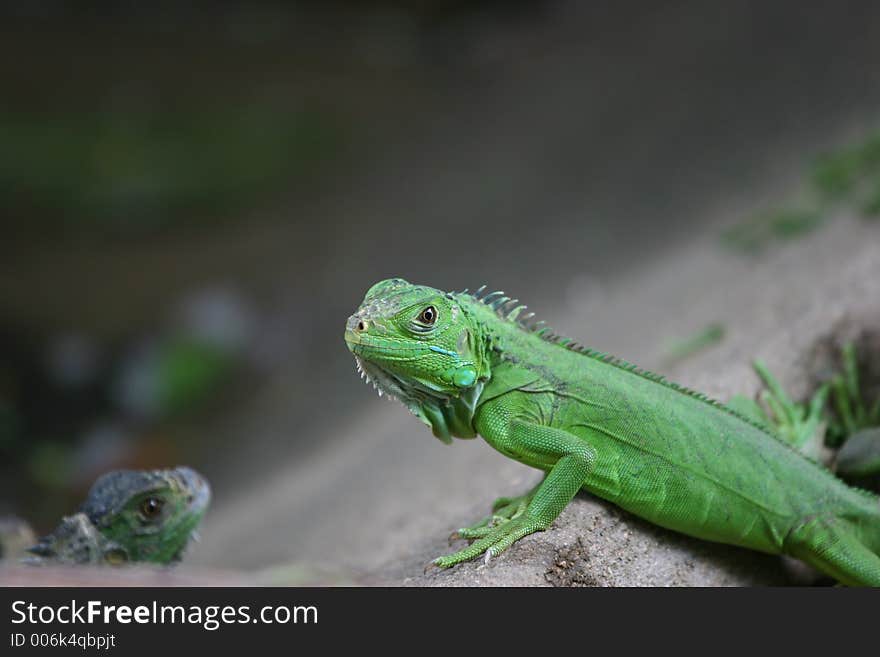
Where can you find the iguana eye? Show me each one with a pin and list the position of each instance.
(428, 316)
(151, 507)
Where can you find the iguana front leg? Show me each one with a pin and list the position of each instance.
(568, 460)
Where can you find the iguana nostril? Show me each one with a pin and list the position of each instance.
(356, 324)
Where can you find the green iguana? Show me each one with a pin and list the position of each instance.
(469, 364)
(130, 516)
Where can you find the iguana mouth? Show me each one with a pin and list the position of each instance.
(384, 383)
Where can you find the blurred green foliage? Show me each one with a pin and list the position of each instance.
(145, 169)
(839, 174)
(871, 206)
(848, 177)
(853, 410)
(680, 350)
(49, 464)
(754, 234)
(189, 373)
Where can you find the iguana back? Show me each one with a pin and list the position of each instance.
(668, 454)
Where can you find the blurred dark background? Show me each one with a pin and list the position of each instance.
(195, 198)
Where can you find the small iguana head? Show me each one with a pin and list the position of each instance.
(131, 516)
(420, 345)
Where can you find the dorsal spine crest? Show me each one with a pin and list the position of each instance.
(544, 332)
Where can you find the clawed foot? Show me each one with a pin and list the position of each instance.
(504, 509)
(493, 534)
(495, 540)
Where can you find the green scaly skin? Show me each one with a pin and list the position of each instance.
(130, 516)
(468, 365)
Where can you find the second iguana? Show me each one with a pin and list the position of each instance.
(130, 516)
(469, 365)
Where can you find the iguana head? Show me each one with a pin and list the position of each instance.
(131, 516)
(424, 347)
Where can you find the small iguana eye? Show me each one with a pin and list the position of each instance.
(151, 507)
(428, 316)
